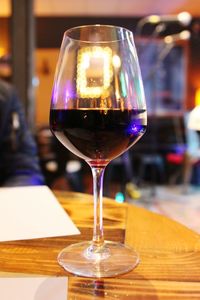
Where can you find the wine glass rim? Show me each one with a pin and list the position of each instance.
(70, 30)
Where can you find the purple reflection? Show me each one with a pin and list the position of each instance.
(54, 95)
(63, 94)
(69, 93)
(135, 128)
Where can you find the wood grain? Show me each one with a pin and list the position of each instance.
(169, 252)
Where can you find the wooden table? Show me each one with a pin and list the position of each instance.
(169, 252)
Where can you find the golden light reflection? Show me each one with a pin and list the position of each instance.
(197, 97)
(2, 51)
(116, 61)
(94, 71)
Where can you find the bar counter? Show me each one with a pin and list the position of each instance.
(169, 253)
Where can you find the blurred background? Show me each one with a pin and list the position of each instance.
(162, 171)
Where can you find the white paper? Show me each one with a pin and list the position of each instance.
(34, 288)
(32, 212)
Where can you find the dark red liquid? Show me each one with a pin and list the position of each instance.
(97, 136)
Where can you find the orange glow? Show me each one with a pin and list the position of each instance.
(197, 97)
(5, 10)
(2, 51)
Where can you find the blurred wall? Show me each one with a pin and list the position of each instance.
(45, 66)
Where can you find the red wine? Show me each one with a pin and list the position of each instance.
(96, 135)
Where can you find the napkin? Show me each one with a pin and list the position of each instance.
(34, 288)
(32, 212)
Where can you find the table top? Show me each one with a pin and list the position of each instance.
(169, 253)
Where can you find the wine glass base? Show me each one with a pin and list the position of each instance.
(111, 260)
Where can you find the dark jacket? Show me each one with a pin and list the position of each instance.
(19, 164)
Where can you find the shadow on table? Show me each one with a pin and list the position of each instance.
(112, 288)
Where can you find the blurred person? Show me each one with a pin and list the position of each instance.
(19, 163)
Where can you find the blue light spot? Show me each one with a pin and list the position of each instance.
(119, 197)
(134, 128)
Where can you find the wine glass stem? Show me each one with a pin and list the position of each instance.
(98, 235)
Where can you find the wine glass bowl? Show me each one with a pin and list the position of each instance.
(98, 111)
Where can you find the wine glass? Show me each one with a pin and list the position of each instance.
(98, 111)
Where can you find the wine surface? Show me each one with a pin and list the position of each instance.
(97, 135)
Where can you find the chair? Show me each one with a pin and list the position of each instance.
(152, 169)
